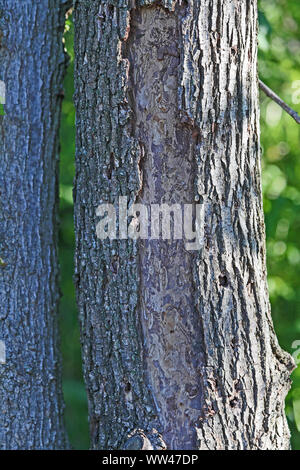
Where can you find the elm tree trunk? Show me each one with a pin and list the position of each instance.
(179, 348)
(32, 63)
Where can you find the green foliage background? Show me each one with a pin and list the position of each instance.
(279, 60)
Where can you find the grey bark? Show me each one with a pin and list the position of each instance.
(179, 348)
(32, 64)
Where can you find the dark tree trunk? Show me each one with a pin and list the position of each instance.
(32, 63)
(178, 346)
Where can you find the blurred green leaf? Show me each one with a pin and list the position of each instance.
(296, 407)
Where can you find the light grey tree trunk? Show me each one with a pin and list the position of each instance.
(32, 63)
(179, 348)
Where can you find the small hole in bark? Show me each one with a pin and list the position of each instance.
(233, 402)
(127, 387)
(223, 281)
(111, 166)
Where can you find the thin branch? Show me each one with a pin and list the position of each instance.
(270, 93)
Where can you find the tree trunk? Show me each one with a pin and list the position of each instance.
(179, 348)
(32, 63)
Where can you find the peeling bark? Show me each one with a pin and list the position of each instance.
(176, 344)
(170, 322)
(32, 64)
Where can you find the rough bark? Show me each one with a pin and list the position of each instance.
(32, 63)
(179, 348)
